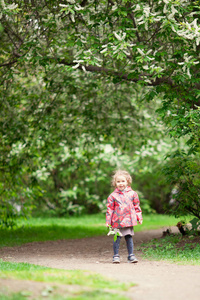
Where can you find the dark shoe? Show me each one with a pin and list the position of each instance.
(116, 259)
(132, 259)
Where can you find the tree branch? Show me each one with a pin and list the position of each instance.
(7, 64)
(108, 72)
(120, 75)
(132, 17)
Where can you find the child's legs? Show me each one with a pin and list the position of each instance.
(116, 246)
(129, 243)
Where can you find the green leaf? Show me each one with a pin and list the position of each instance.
(115, 237)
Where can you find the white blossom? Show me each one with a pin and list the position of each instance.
(150, 58)
(83, 68)
(120, 37)
(72, 18)
(155, 52)
(104, 50)
(186, 57)
(99, 59)
(171, 16)
(148, 80)
(78, 7)
(140, 23)
(141, 52)
(197, 41)
(172, 27)
(137, 8)
(79, 61)
(188, 73)
(195, 23)
(76, 66)
(42, 174)
(98, 65)
(147, 11)
(132, 45)
(165, 9)
(114, 7)
(158, 18)
(174, 10)
(63, 5)
(3, 3)
(59, 22)
(140, 19)
(126, 52)
(12, 6)
(148, 52)
(117, 36)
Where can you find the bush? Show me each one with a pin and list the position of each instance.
(182, 172)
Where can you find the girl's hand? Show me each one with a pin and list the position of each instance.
(140, 221)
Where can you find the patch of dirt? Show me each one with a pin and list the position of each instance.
(156, 280)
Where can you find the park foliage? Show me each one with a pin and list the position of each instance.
(91, 86)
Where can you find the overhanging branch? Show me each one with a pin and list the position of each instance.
(108, 72)
(8, 64)
(120, 75)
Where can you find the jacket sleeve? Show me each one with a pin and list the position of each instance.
(136, 203)
(110, 209)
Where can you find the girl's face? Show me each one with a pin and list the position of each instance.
(121, 182)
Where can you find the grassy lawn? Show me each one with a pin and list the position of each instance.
(46, 229)
(87, 285)
(174, 249)
(28, 271)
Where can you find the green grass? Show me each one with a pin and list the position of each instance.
(13, 296)
(28, 271)
(155, 221)
(46, 229)
(174, 249)
(96, 294)
(98, 286)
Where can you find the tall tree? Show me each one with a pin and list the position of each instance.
(154, 44)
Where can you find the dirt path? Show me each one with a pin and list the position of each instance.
(155, 280)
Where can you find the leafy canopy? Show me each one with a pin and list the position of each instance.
(69, 70)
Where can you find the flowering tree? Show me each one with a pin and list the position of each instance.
(151, 44)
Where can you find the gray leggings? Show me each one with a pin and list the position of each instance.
(129, 244)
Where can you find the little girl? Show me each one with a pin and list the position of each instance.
(123, 212)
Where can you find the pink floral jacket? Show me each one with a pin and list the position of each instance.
(123, 208)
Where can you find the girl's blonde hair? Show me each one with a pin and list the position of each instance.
(121, 173)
